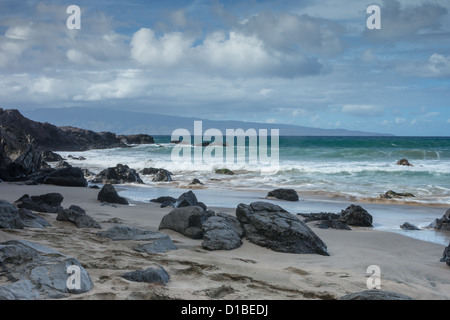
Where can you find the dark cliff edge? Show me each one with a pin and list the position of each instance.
(23, 140)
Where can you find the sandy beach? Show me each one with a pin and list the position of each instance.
(408, 266)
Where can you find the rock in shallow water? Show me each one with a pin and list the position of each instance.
(109, 194)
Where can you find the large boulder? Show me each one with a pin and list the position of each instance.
(47, 203)
(186, 220)
(271, 226)
(284, 194)
(36, 272)
(357, 216)
(109, 194)
(78, 216)
(118, 175)
(19, 154)
(219, 235)
(10, 217)
(66, 176)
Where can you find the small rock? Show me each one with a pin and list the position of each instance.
(78, 216)
(122, 232)
(283, 194)
(160, 245)
(162, 176)
(333, 224)
(395, 195)
(224, 171)
(408, 226)
(404, 162)
(195, 181)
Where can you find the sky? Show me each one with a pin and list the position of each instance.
(303, 62)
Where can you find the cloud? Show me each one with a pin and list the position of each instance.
(362, 110)
(220, 54)
(406, 23)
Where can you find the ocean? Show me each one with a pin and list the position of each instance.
(333, 170)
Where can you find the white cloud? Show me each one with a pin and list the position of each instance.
(167, 50)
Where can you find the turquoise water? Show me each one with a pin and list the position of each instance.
(361, 167)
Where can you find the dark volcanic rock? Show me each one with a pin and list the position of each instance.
(66, 177)
(32, 220)
(162, 176)
(224, 171)
(50, 137)
(48, 203)
(36, 272)
(50, 156)
(375, 295)
(78, 216)
(446, 255)
(319, 216)
(219, 235)
(118, 175)
(137, 139)
(442, 223)
(109, 194)
(408, 226)
(19, 154)
(150, 275)
(10, 217)
(357, 216)
(188, 199)
(283, 194)
(271, 226)
(395, 195)
(165, 201)
(186, 220)
(404, 162)
(234, 223)
(333, 224)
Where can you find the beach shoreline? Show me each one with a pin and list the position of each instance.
(408, 266)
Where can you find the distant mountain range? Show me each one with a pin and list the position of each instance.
(127, 122)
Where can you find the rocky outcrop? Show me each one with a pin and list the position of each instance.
(51, 156)
(109, 194)
(22, 141)
(357, 216)
(283, 194)
(219, 235)
(9, 216)
(271, 226)
(19, 154)
(36, 272)
(78, 216)
(136, 139)
(186, 220)
(442, 223)
(117, 175)
(162, 176)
